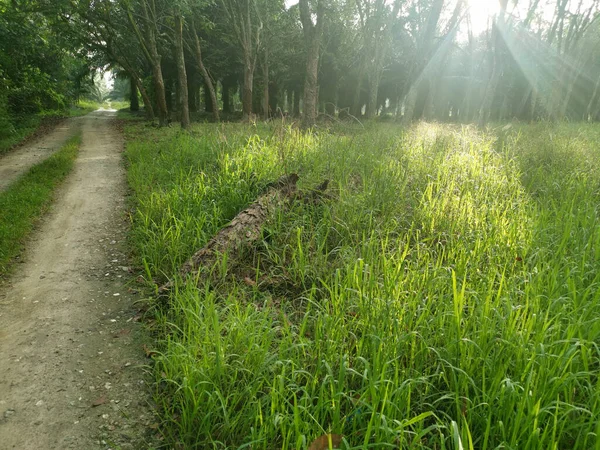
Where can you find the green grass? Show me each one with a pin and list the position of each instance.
(25, 127)
(447, 299)
(27, 199)
(83, 107)
(19, 133)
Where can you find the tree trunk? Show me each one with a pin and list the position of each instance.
(356, 103)
(312, 36)
(296, 108)
(490, 92)
(181, 73)
(208, 106)
(207, 79)
(247, 26)
(159, 92)
(311, 87)
(247, 90)
(246, 228)
(410, 102)
(266, 104)
(193, 94)
(169, 97)
(274, 105)
(134, 103)
(138, 82)
(590, 106)
(373, 94)
(159, 85)
(146, 99)
(150, 51)
(377, 32)
(225, 89)
(425, 49)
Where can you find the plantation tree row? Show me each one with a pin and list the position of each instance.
(407, 59)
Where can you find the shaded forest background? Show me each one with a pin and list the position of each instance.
(399, 59)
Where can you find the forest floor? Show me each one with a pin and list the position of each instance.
(71, 346)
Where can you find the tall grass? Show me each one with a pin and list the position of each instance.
(446, 299)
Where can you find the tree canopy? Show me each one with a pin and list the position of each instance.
(445, 60)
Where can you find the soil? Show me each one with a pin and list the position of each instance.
(49, 138)
(73, 370)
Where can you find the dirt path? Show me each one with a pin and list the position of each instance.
(71, 355)
(17, 162)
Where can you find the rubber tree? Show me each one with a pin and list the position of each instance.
(102, 28)
(147, 37)
(313, 31)
(425, 49)
(244, 18)
(376, 20)
(182, 79)
(208, 81)
(497, 43)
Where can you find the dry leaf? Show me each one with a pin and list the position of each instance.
(100, 401)
(322, 442)
(249, 281)
(121, 333)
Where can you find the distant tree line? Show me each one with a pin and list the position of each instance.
(399, 59)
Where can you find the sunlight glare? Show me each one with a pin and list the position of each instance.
(481, 12)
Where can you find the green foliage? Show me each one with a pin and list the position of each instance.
(446, 298)
(7, 128)
(27, 199)
(36, 74)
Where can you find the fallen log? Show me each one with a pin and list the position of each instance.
(246, 227)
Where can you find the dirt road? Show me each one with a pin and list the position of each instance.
(17, 162)
(71, 355)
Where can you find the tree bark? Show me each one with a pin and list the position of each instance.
(296, 107)
(169, 96)
(246, 23)
(377, 29)
(207, 79)
(208, 106)
(356, 103)
(246, 227)
(146, 99)
(593, 100)
(425, 47)
(490, 92)
(193, 90)
(181, 73)
(150, 49)
(134, 103)
(312, 37)
(225, 89)
(247, 91)
(265, 99)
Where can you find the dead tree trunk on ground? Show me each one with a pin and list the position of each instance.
(246, 227)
